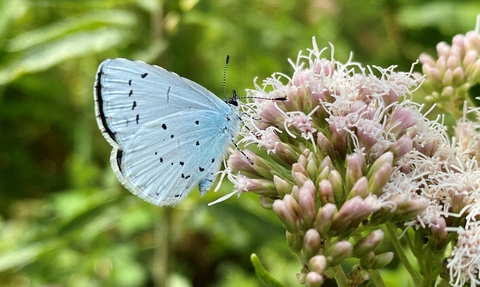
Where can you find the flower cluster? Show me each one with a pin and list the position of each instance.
(448, 78)
(453, 174)
(333, 151)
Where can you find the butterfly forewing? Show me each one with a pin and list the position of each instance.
(168, 132)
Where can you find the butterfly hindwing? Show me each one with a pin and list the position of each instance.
(161, 165)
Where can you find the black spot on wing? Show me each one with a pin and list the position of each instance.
(197, 122)
(213, 160)
(182, 163)
(130, 82)
(143, 75)
(130, 93)
(134, 105)
(137, 118)
(164, 126)
(99, 99)
(201, 168)
(197, 143)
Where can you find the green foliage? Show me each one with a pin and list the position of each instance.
(64, 218)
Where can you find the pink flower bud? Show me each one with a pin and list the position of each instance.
(379, 179)
(443, 49)
(453, 62)
(426, 60)
(352, 213)
(314, 279)
(282, 186)
(285, 214)
(401, 147)
(409, 209)
(312, 244)
(447, 78)
(338, 252)
(355, 168)
(368, 243)
(470, 57)
(386, 158)
(325, 190)
(324, 144)
(441, 64)
(317, 263)
(382, 260)
(439, 234)
(306, 203)
(360, 188)
(324, 219)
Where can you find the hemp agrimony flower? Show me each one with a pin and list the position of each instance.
(348, 158)
(332, 160)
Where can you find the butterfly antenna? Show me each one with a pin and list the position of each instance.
(225, 76)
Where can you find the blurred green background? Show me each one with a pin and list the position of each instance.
(64, 218)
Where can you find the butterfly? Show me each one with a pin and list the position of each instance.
(168, 133)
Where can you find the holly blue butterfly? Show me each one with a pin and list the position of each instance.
(168, 133)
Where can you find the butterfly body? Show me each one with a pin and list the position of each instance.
(168, 133)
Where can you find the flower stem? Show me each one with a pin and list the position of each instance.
(376, 278)
(340, 276)
(391, 229)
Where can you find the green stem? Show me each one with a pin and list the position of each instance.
(263, 274)
(376, 278)
(392, 232)
(340, 276)
(161, 259)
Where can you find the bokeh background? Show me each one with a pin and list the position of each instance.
(64, 218)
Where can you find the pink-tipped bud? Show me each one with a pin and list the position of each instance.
(382, 260)
(285, 214)
(314, 279)
(306, 203)
(439, 234)
(337, 253)
(355, 167)
(324, 144)
(352, 213)
(318, 263)
(324, 219)
(368, 243)
(360, 188)
(312, 243)
(282, 186)
(325, 190)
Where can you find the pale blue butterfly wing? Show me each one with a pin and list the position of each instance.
(168, 133)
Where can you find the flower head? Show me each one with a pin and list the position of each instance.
(329, 154)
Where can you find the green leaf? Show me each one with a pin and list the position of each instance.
(52, 53)
(86, 22)
(86, 217)
(24, 255)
